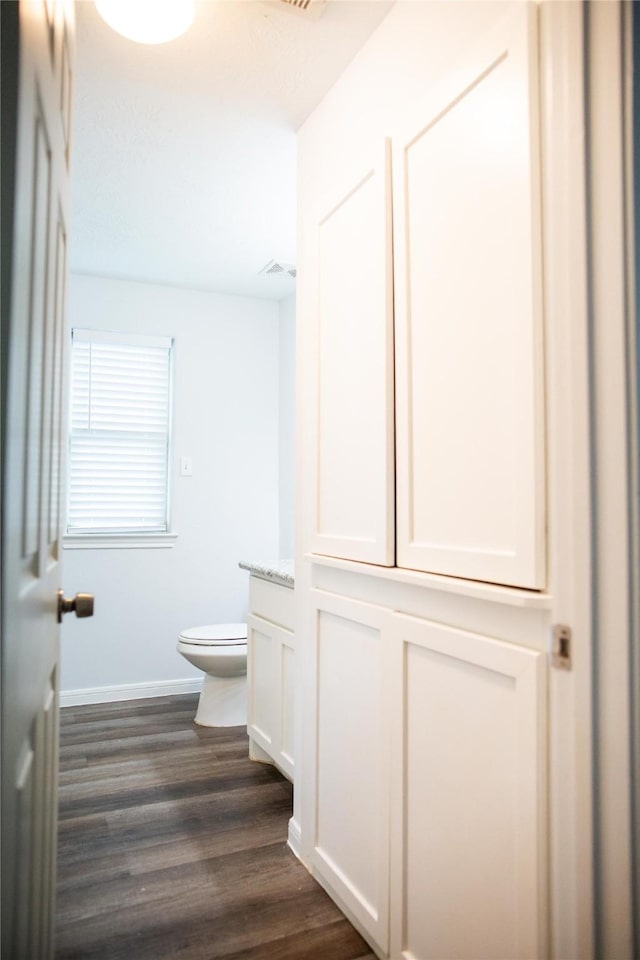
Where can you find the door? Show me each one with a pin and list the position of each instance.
(38, 44)
(262, 683)
(469, 788)
(270, 690)
(352, 479)
(349, 704)
(469, 338)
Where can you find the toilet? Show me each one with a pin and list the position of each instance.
(220, 650)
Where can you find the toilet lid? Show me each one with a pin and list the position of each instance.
(215, 634)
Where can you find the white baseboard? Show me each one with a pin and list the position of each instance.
(295, 838)
(129, 691)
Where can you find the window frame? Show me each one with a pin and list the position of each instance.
(121, 538)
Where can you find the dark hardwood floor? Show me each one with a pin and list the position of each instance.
(173, 845)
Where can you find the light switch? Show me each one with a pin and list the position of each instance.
(186, 467)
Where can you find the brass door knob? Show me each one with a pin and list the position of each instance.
(81, 604)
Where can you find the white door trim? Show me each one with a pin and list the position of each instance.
(610, 213)
(568, 474)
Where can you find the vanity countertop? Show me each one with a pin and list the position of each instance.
(278, 571)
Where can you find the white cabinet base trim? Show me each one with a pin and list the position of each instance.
(512, 596)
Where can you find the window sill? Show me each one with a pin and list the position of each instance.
(120, 541)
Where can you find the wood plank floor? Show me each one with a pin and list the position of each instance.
(172, 844)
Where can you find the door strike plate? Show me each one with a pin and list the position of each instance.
(561, 646)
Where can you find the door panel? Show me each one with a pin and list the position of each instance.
(33, 319)
(270, 692)
(354, 471)
(468, 318)
(262, 683)
(35, 372)
(350, 825)
(469, 809)
(56, 428)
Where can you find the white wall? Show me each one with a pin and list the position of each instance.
(287, 403)
(226, 417)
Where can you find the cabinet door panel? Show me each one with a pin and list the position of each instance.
(271, 601)
(262, 684)
(468, 318)
(351, 811)
(469, 808)
(353, 476)
(270, 690)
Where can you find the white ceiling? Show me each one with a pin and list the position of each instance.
(184, 160)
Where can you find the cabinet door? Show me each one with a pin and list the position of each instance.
(353, 476)
(263, 682)
(350, 809)
(469, 344)
(270, 690)
(468, 875)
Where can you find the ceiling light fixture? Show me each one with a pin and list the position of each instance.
(148, 21)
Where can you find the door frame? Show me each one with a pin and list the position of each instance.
(593, 472)
(614, 431)
(569, 490)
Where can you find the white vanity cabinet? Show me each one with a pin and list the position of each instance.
(270, 673)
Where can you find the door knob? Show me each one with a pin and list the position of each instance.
(82, 604)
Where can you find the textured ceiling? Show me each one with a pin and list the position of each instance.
(184, 154)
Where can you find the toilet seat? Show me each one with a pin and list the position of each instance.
(216, 635)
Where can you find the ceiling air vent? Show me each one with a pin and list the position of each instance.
(276, 268)
(310, 8)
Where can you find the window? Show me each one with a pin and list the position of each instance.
(119, 435)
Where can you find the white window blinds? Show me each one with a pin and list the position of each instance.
(119, 437)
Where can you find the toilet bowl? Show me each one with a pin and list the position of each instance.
(220, 651)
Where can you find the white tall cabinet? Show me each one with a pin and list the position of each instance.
(424, 608)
